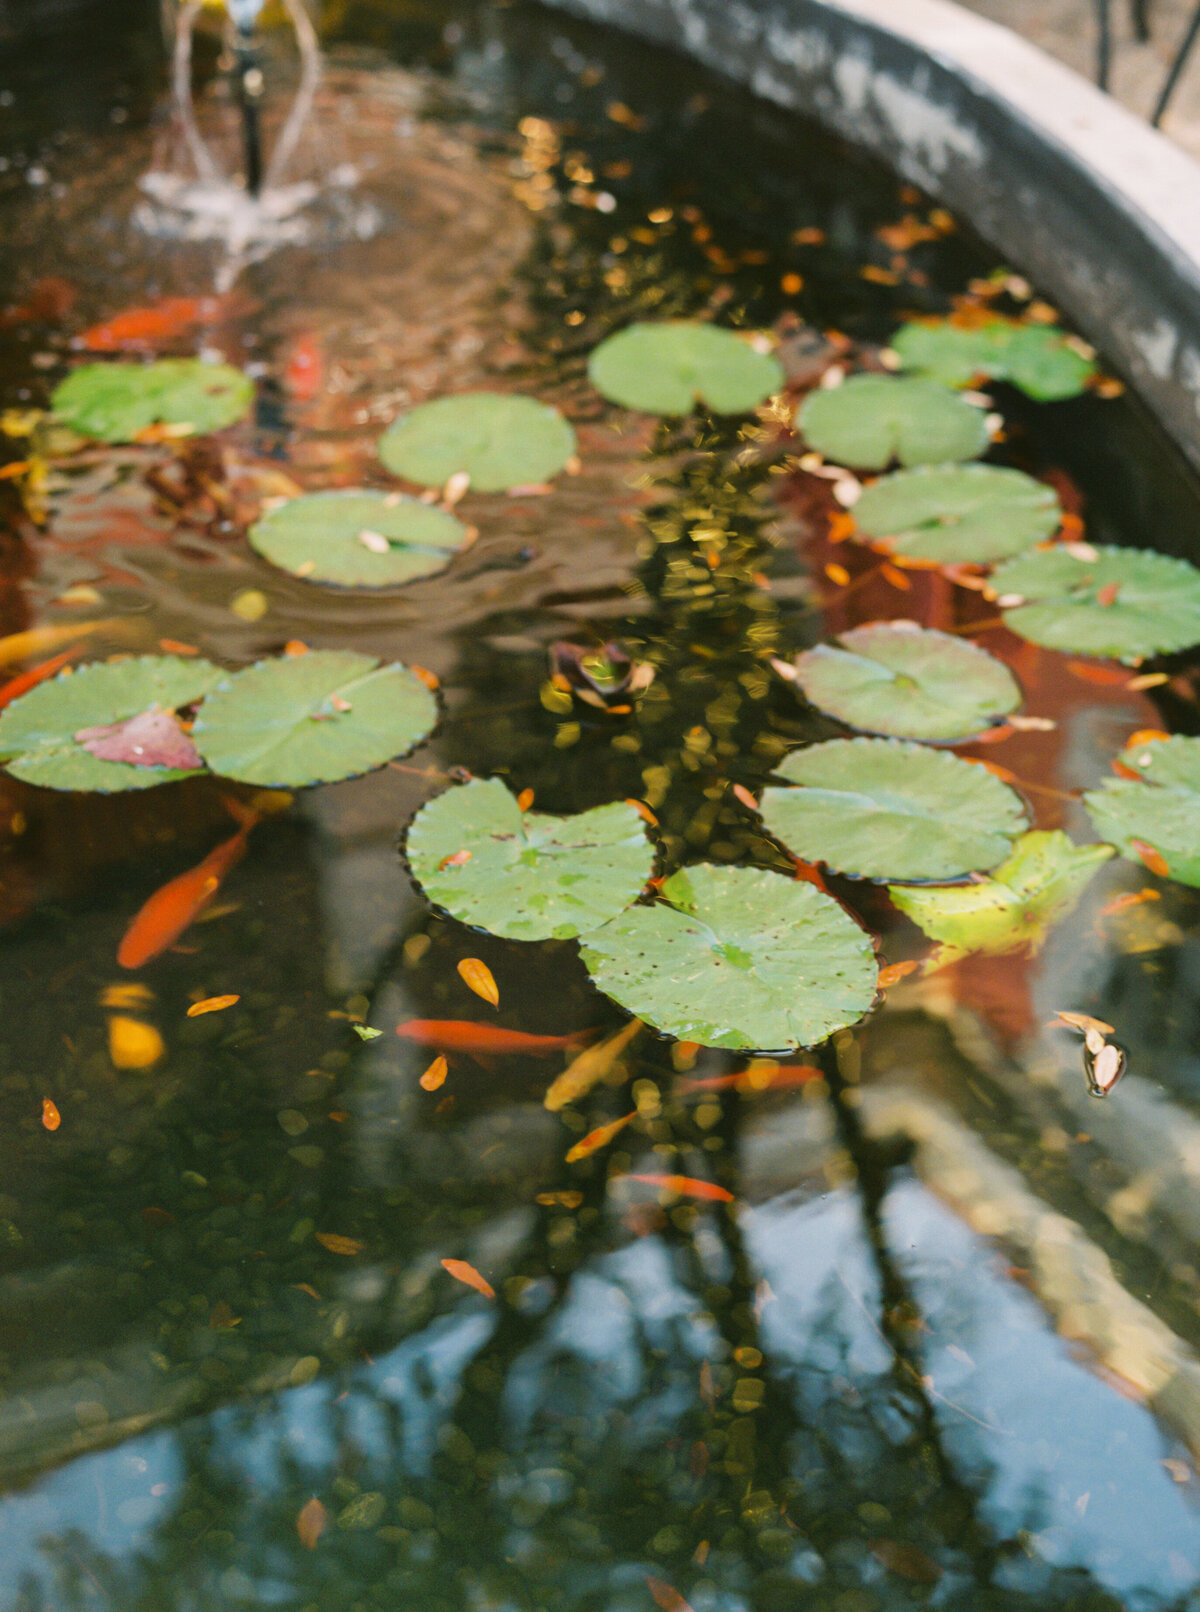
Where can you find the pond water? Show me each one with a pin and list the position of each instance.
(942, 1345)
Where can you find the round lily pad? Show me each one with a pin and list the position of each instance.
(1036, 358)
(869, 420)
(358, 539)
(1127, 603)
(958, 514)
(667, 368)
(116, 402)
(1163, 812)
(739, 958)
(907, 681)
(527, 875)
(499, 439)
(882, 809)
(38, 732)
(310, 719)
(1031, 889)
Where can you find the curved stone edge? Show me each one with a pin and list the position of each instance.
(1097, 208)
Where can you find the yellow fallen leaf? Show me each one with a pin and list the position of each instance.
(133, 1044)
(591, 1066)
(435, 1074)
(211, 1004)
(338, 1245)
(462, 1272)
(477, 977)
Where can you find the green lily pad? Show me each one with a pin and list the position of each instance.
(958, 514)
(310, 719)
(37, 731)
(1035, 358)
(739, 958)
(499, 439)
(1153, 601)
(907, 681)
(527, 875)
(667, 368)
(359, 539)
(883, 809)
(116, 402)
(1162, 812)
(1037, 885)
(869, 420)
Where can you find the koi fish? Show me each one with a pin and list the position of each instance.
(21, 684)
(145, 327)
(685, 1186)
(461, 1035)
(169, 911)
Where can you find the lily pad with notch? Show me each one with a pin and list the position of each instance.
(1160, 810)
(958, 514)
(885, 809)
(1038, 359)
(357, 538)
(498, 439)
(909, 682)
(737, 957)
(527, 875)
(1039, 883)
(870, 420)
(46, 733)
(669, 367)
(313, 718)
(117, 402)
(1124, 603)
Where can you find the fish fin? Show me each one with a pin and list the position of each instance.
(243, 815)
(488, 1065)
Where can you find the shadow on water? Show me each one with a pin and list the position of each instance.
(887, 1374)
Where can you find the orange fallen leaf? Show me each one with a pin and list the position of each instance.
(598, 1138)
(685, 1186)
(294, 647)
(1083, 1021)
(841, 526)
(894, 575)
(895, 972)
(1107, 595)
(211, 1004)
(666, 1595)
(172, 646)
(477, 977)
(837, 574)
(1145, 736)
(337, 1244)
(1148, 680)
(430, 679)
(456, 859)
(435, 1075)
(643, 811)
(462, 1272)
(51, 1118)
(1154, 860)
(303, 1287)
(746, 798)
(310, 1524)
(525, 799)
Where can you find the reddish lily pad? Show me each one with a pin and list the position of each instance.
(153, 738)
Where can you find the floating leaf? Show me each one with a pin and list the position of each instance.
(337, 1244)
(462, 1272)
(882, 809)
(500, 440)
(116, 402)
(1126, 603)
(478, 977)
(530, 876)
(311, 1523)
(38, 732)
(1038, 884)
(738, 958)
(669, 367)
(435, 1075)
(958, 514)
(312, 718)
(1159, 812)
(910, 682)
(1037, 358)
(365, 1033)
(150, 739)
(51, 1118)
(356, 538)
(211, 1004)
(869, 420)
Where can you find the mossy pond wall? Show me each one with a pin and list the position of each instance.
(295, 1314)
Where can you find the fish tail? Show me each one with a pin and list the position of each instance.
(578, 1039)
(245, 816)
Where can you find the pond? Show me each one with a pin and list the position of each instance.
(299, 1312)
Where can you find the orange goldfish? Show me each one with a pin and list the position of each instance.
(21, 684)
(686, 1186)
(169, 911)
(461, 1035)
(158, 322)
